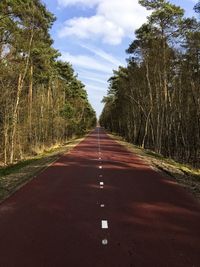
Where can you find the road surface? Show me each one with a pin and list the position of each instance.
(100, 206)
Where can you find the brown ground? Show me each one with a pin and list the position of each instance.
(55, 220)
(187, 176)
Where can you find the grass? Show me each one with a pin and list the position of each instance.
(185, 175)
(15, 176)
(14, 168)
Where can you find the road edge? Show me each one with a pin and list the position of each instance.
(38, 172)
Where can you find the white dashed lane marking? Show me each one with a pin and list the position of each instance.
(104, 224)
(105, 242)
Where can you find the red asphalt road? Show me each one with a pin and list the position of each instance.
(55, 220)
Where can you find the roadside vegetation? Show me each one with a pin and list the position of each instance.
(154, 102)
(42, 102)
(16, 175)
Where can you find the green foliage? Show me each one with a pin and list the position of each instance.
(67, 111)
(197, 7)
(154, 101)
(42, 102)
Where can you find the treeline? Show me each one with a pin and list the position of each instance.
(42, 102)
(155, 101)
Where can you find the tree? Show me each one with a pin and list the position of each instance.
(197, 7)
(35, 86)
(154, 101)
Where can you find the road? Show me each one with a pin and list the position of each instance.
(100, 206)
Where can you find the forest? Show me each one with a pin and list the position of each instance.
(42, 101)
(154, 102)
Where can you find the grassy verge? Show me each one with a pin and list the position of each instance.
(15, 176)
(185, 175)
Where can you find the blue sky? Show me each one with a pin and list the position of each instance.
(94, 34)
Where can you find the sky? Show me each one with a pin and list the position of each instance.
(93, 35)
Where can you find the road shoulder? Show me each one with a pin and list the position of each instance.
(185, 175)
(12, 178)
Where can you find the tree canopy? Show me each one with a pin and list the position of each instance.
(154, 102)
(42, 101)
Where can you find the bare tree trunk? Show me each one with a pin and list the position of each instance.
(14, 118)
(5, 139)
(30, 100)
(146, 129)
(19, 89)
(149, 84)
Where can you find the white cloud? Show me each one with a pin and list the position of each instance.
(92, 88)
(95, 26)
(114, 20)
(127, 14)
(87, 62)
(93, 79)
(102, 54)
(94, 75)
(66, 3)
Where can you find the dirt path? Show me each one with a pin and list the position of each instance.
(100, 205)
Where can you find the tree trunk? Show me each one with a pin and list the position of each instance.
(30, 101)
(14, 118)
(16, 106)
